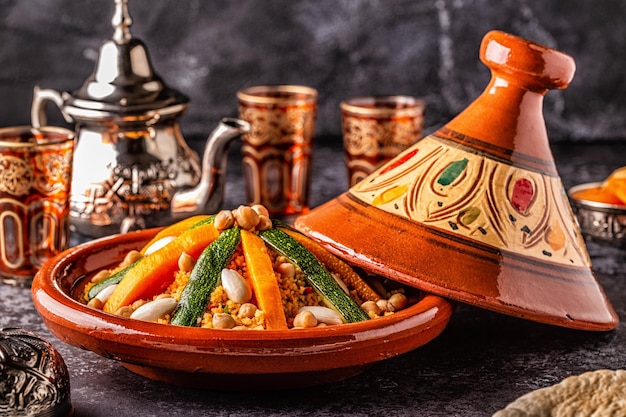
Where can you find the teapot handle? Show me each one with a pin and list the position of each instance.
(38, 109)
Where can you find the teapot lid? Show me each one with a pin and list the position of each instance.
(124, 80)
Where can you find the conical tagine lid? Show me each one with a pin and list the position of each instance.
(476, 211)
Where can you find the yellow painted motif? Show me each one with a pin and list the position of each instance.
(389, 195)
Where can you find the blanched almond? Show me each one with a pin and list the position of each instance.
(323, 314)
(105, 293)
(235, 286)
(154, 310)
(158, 245)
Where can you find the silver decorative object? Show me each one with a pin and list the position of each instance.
(132, 167)
(34, 380)
(600, 222)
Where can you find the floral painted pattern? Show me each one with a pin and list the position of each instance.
(444, 185)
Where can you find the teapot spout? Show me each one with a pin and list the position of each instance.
(207, 196)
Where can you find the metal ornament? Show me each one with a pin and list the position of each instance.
(34, 380)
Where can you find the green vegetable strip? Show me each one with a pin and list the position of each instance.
(316, 274)
(111, 280)
(204, 278)
(208, 220)
(119, 275)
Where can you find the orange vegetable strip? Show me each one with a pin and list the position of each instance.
(155, 272)
(336, 266)
(174, 230)
(263, 280)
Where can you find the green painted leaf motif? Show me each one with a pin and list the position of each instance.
(469, 215)
(452, 172)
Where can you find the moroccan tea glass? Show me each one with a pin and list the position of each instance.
(277, 150)
(377, 128)
(35, 177)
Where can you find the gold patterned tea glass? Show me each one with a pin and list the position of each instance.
(377, 128)
(277, 151)
(35, 177)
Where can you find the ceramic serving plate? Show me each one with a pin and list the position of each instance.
(220, 359)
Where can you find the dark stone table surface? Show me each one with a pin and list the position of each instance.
(480, 363)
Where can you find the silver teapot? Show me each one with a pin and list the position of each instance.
(132, 168)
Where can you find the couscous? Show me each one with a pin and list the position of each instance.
(272, 278)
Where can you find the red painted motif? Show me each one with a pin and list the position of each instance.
(399, 161)
(523, 193)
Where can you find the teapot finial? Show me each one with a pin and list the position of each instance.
(121, 22)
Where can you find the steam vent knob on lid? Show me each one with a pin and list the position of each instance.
(34, 380)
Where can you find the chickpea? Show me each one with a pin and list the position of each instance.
(125, 311)
(247, 310)
(95, 303)
(398, 301)
(260, 210)
(100, 276)
(186, 262)
(305, 319)
(371, 307)
(130, 258)
(384, 305)
(223, 321)
(287, 269)
(246, 218)
(160, 296)
(224, 220)
(265, 223)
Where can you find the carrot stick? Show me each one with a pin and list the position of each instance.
(155, 272)
(263, 280)
(174, 230)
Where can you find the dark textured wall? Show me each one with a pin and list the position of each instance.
(209, 49)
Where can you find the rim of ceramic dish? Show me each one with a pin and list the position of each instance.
(278, 94)
(593, 205)
(64, 304)
(20, 136)
(384, 105)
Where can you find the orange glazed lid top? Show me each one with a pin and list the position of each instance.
(551, 68)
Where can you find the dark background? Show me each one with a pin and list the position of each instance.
(209, 49)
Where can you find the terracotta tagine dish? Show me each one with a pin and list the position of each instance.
(476, 211)
(195, 346)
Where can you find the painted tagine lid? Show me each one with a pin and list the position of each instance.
(476, 211)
